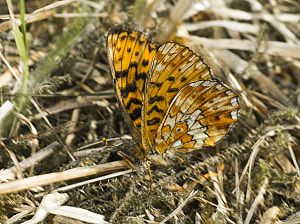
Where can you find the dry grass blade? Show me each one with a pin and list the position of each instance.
(10, 173)
(4, 26)
(273, 48)
(229, 25)
(258, 199)
(178, 209)
(51, 178)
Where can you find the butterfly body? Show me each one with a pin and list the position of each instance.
(169, 97)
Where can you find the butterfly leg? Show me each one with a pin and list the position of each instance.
(128, 159)
(150, 183)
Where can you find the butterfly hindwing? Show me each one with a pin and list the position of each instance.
(173, 67)
(200, 115)
(130, 53)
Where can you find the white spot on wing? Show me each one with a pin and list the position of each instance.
(110, 52)
(219, 87)
(165, 137)
(234, 101)
(185, 51)
(184, 107)
(185, 66)
(195, 115)
(174, 48)
(199, 143)
(193, 118)
(197, 125)
(234, 114)
(199, 64)
(197, 134)
(166, 49)
(159, 67)
(177, 143)
(195, 84)
(192, 57)
(218, 137)
(207, 83)
(228, 92)
(184, 117)
(170, 121)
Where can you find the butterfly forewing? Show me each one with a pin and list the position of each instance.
(200, 115)
(173, 67)
(130, 53)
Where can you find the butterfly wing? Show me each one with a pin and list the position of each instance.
(173, 67)
(130, 53)
(200, 115)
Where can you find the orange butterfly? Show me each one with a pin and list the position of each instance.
(169, 97)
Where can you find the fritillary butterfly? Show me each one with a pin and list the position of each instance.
(170, 99)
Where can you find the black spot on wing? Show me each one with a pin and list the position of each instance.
(133, 101)
(140, 41)
(152, 48)
(183, 79)
(123, 37)
(141, 75)
(131, 37)
(155, 108)
(133, 64)
(145, 62)
(170, 78)
(120, 74)
(173, 90)
(130, 88)
(156, 99)
(135, 114)
(153, 121)
(157, 84)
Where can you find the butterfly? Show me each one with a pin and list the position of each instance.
(170, 99)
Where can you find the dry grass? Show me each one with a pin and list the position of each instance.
(54, 168)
